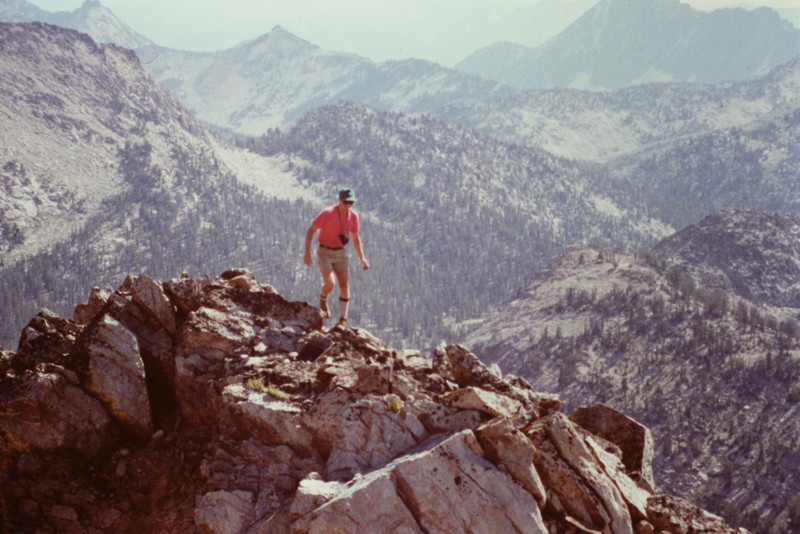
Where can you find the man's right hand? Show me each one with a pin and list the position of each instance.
(307, 258)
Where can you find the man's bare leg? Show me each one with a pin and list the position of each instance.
(343, 278)
(328, 283)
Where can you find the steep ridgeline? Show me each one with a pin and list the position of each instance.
(216, 406)
(271, 80)
(90, 18)
(699, 339)
(102, 172)
(76, 117)
(619, 43)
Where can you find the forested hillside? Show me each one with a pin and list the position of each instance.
(447, 209)
(444, 210)
(754, 166)
(705, 352)
(201, 221)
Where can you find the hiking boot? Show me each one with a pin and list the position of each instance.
(341, 325)
(323, 306)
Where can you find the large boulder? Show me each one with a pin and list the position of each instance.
(115, 374)
(210, 330)
(481, 400)
(48, 410)
(578, 485)
(634, 439)
(512, 451)
(150, 296)
(273, 421)
(371, 432)
(139, 305)
(47, 338)
(446, 486)
(451, 487)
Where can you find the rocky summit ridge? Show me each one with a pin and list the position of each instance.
(217, 406)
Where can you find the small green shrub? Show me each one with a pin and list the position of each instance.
(257, 384)
(395, 404)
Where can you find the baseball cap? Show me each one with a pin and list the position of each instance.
(348, 194)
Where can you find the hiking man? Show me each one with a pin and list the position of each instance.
(337, 225)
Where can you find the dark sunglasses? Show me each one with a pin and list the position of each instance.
(349, 202)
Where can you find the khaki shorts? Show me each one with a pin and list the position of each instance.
(333, 260)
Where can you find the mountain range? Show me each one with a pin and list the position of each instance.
(444, 196)
(105, 173)
(618, 43)
(699, 338)
(270, 81)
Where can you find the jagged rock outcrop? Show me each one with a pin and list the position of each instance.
(217, 406)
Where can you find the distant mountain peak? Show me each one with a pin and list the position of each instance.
(91, 17)
(619, 43)
(281, 38)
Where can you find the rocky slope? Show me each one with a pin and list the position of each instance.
(217, 406)
(72, 113)
(63, 123)
(751, 254)
(699, 339)
(619, 43)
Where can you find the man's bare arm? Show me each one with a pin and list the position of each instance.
(360, 250)
(309, 237)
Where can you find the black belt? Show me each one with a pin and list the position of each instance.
(331, 248)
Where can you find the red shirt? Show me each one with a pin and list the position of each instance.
(331, 223)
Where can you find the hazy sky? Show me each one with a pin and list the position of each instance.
(445, 31)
